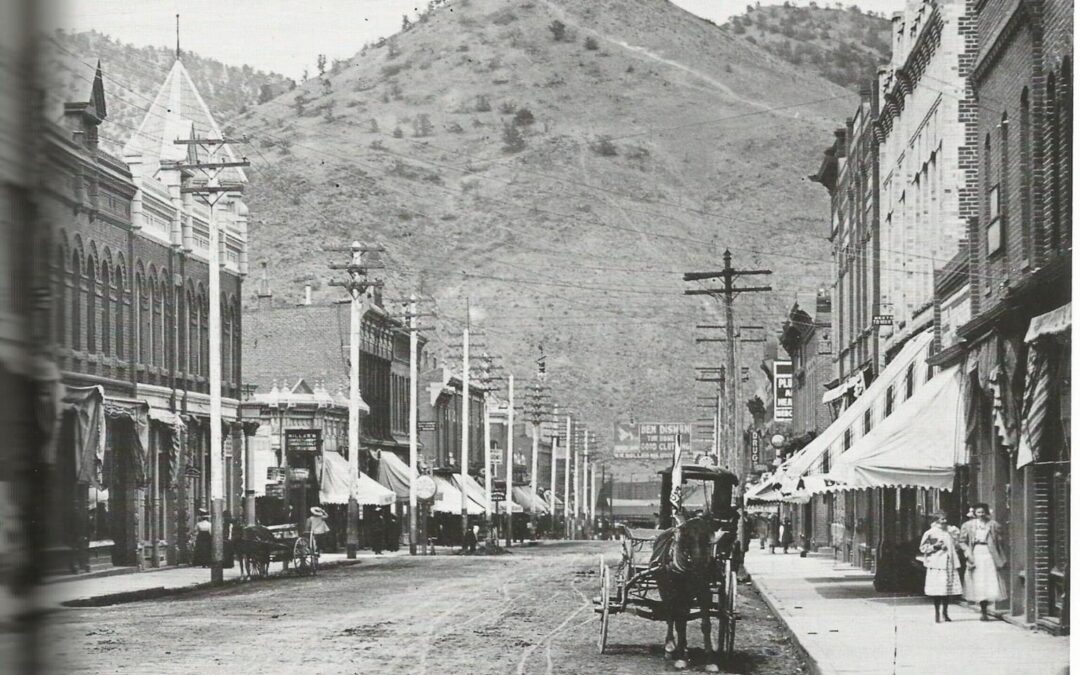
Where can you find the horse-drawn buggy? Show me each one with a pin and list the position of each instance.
(257, 546)
(684, 571)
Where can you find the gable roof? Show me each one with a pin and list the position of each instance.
(178, 112)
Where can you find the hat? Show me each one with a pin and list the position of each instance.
(318, 511)
(203, 512)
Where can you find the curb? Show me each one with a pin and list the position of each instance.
(812, 665)
(156, 592)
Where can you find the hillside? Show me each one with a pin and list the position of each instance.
(560, 163)
(71, 57)
(845, 46)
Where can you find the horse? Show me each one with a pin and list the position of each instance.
(684, 561)
(252, 547)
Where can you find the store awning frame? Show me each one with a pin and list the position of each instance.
(804, 461)
(918, 446)
(334, 484)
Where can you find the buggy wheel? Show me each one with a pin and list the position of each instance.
(725, 604)
(303, 557)
(605, 603)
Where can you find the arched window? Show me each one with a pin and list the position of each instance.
(104, 307)
(60, 303)
(161, 325)
(194, 350)
(76, 300)
(1025, 177)
(226, 344)
(238, 353)
(91, 305)
(118, 323)
(181, 331)
(1064, 185)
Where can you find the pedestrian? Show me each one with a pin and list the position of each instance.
(470, 539)
(376, 533)
(774, 532)
(201, 554)
(938, 546)
(787, 535)
(980, 539)
(316, 525)
(762, 531)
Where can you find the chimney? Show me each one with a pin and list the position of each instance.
(263, 293)
(307, 294)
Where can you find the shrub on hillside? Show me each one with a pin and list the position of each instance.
(507, 107)
(398, 133)
(422, 126)
(558, 30)
(604, 147)
(513, 139)
(482, 103)
(591, 44)
(524, 117)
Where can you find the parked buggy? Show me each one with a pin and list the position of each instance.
(259, 545)
(656, 579)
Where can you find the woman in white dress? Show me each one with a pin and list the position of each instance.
(980, 538)
(938, 546)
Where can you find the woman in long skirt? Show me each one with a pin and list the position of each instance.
(980, 538)
(938, 546)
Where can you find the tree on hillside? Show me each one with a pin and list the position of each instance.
(558, 30)
(320, 63)
(405, 23)
(266, 92)
(513, 140)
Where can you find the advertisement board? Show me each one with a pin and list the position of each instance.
(650, 440)
(783, 404)
(303, 440)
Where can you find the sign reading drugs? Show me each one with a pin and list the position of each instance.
(783, 404)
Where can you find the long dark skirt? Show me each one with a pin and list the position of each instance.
(202, 549)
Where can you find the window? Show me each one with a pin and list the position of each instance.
(1025, 177)
(909, 382)
(867, 421)
(890, 395)
(993, 229)
(847, 439)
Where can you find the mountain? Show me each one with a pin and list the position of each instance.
(133, 76)
(845, 46)
(560, 163)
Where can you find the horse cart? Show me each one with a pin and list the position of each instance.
(661, 578)
(260, 545)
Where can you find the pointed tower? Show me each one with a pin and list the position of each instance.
(179, 112)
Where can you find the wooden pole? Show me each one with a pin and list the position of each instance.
(412, 423)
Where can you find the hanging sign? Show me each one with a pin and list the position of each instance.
(783, 404)
(303, 440)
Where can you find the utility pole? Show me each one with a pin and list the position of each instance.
(729, 274)
(566, 480)
(509, 461)
(465, 421)
(414, 337)
(358, 285)
(585, 488)
(577, 488)
(211, 191)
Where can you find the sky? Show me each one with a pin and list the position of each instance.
(285, 36)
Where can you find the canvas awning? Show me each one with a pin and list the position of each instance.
(523, 495)
(393, 474)
(1051, 323)
(919, 445)
(448, 499)
(809, 460)
(474, 491)
(334, 484)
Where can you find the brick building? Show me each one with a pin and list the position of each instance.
(1016, 345)
(128, 326)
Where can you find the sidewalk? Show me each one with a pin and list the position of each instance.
(833, 612)
(147, 584)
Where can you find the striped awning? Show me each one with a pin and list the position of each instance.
(1037, 385)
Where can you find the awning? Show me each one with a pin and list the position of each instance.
(393, 474)
(1044, 368)
(262, 457)
(448, 499)
(334, 484)
(528, 499)
(475, 492)
(919, 445)
(1051, 323)
(809, 459)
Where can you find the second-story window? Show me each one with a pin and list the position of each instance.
(993, 227)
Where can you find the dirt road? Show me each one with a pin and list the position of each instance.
(526, 612)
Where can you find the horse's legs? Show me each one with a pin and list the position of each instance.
(669, 640)
(706, 630)
(680, 650)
